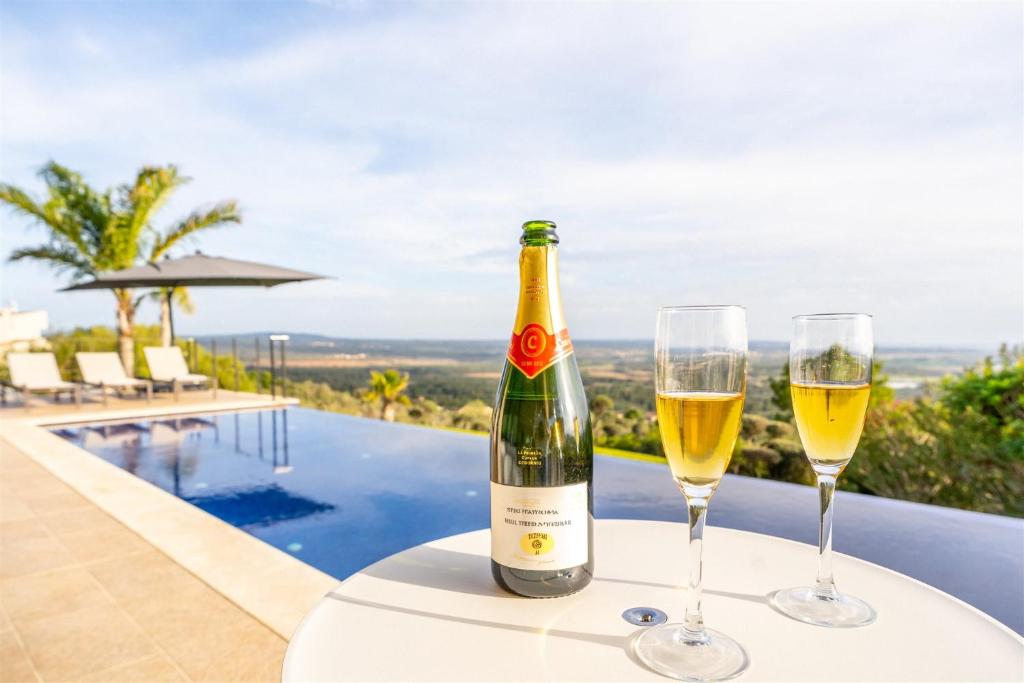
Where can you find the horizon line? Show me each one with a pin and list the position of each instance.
(501, 340)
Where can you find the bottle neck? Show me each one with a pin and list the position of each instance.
(539, 298)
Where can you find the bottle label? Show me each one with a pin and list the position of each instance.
(533, 350)
(539, 527)
(540, 337)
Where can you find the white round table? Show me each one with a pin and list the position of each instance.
(432, 613)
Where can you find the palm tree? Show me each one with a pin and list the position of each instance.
(221, 214)
(182, 301)
(95, 232)
(387, 387)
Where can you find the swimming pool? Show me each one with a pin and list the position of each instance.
(341, 492)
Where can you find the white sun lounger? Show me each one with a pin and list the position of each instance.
(167, 366)
(104, 370)
(37, 373)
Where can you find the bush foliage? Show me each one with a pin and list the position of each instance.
(65, 345)
(962, 447)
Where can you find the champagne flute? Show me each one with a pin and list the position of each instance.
(701, 381)
(830, 380)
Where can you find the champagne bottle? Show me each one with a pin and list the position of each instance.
(542, 457)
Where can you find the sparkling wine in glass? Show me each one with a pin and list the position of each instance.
(701, 355)
(830, 359)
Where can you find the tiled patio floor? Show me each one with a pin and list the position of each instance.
(83, 598)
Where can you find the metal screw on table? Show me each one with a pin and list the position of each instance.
(644, 616)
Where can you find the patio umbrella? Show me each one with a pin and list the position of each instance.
(197, 270)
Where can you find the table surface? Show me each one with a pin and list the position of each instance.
(433, 613)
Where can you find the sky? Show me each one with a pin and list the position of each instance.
(792, 158)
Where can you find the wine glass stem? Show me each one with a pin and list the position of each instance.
(697, 509)
(826, 587)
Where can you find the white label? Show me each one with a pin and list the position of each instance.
(541, 528)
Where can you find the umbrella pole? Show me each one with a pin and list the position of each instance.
(170, 312)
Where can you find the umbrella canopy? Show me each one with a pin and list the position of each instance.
(197, 270)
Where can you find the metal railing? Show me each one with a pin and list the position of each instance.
(282, 340)
(253, 359)
(278, 357)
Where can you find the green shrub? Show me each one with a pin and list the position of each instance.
(964, 448)
(753, 426)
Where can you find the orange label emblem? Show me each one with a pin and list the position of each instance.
(534, 350)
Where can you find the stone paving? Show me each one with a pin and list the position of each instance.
(83, 598)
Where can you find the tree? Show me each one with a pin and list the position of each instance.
(92, 232)
(475, 416)
(602, 408)
(601, 404)
(183, 302)
(996, 396)
(781, 398)
(220, 214)
(387, 387)
(881, 393)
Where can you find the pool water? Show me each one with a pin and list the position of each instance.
(341, 492)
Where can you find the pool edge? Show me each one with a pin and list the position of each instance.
(277, 589)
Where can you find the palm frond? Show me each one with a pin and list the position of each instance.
(387, 385)
(181, 298)
(60, 257)
(153, 186)
(23, 203)
(220, 215)
(136, 206)
(48, 214)
(60, 177)
(80, 213)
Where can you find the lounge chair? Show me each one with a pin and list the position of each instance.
(104, 370)
(37, 373)
(167, 366)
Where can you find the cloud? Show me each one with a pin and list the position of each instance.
(852, 157)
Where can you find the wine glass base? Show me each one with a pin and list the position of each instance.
(672, 651)
(839, 611)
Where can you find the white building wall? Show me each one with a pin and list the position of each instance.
(22, 329)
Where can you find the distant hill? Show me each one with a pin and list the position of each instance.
(306, 345)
